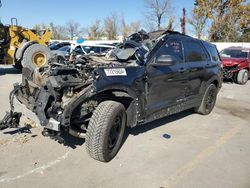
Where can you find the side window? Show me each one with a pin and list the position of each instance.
(96, 49)
(172, 47)
(104, 49)
(194, 52)
(213, 52)
(78, 49)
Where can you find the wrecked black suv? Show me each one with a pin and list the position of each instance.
(150, 76)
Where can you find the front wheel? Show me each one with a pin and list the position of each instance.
(242, 77)
(105, 130)
(208, 100)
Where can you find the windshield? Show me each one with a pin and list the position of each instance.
(233, 53)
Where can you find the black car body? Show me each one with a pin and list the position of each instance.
(153, 75)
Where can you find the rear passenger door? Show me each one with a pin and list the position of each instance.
(197, 59)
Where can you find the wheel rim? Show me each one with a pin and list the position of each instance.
(114, 133)
(210, 99)
(245, 77)
(39, 59)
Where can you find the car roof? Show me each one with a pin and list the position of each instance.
(178, 34)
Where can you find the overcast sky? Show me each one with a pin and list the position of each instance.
(31, 12)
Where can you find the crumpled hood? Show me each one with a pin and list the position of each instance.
(232, 61)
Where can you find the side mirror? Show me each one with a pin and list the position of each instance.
(165, 60)
(91, 52)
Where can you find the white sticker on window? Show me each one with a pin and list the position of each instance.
(115, 72)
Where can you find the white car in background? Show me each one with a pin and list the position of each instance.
(96, 49)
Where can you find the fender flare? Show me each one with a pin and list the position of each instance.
(20, 51)
(215, 79)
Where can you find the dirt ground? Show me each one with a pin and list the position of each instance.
(183, 150)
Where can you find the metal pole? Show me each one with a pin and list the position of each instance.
(183, 21)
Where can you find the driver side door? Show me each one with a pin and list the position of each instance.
(166, 83)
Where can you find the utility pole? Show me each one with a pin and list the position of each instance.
(183, 21)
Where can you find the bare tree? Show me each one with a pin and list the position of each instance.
(53, 30)
(170, 25)
(95, 31)
(135, 26)
(198, 23)
(111, 26)
(157, 11)
(127, 29)
(73, 29)
(60, 32)
(57, 31)
(39, 27)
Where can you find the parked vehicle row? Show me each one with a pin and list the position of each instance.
(150, 76)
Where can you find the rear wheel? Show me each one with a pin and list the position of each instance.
(208, 100)
(36, 56)
(242, 77)
(105, 130)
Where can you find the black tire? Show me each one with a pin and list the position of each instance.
(32, 53)
(208, 101)
(242, 77)
(105, 131)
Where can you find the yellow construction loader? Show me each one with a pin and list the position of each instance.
(23, 47)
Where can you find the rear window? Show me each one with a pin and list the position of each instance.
(194, 52)
(213, 52)
(234, 53)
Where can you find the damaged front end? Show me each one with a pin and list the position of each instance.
(62, 97)
(45, 97)
(229, 71)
